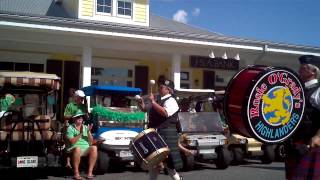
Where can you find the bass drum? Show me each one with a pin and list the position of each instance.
(149, 148)
(263, 102)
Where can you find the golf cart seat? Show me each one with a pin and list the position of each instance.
(26, 129)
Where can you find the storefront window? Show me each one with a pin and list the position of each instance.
(12, 66)
(112, 76)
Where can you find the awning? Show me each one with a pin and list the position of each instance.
(105, 90)
(51, 81)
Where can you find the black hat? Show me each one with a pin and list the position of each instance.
(310, 59)
(169, 84)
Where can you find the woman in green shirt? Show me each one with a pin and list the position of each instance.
(81, 139)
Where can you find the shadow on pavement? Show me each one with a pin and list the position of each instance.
(33, 173)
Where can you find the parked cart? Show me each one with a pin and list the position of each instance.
(202, 128)
(117, 120)
(29, 131)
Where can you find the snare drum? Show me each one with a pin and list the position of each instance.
(266, 103)
(149, 148)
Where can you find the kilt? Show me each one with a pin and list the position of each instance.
(294, 153)
(170, 136)
(309, 166)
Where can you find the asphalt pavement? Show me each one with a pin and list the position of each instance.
(252, 169)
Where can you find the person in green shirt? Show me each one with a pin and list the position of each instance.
(5, 102)
(74, 106)
(81, 139)
(71, 110)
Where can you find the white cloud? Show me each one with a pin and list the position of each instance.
(196, 12)
(181, 16)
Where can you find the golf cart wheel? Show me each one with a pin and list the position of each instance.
(102, 164)
(268, 154)
(238, 155)
(223, 158)
(280, 152)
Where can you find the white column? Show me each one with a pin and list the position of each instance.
(86, 63)
(176, 69)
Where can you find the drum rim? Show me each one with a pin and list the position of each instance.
(253, 82)
(148, 161)
(142, 133)
(246, 97)
(231, 82)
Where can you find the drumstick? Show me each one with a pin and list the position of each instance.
(137, 97)
(152, 82)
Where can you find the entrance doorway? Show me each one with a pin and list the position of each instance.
(208, 79)
(69, 72)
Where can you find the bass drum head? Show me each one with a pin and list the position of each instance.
(273, 107)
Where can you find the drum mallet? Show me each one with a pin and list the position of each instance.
(152, 82)
(138, 98)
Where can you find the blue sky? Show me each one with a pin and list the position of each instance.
(286, 21)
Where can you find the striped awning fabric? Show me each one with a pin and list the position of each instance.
(51, 81)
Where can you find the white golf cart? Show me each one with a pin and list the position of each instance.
(116, 120)
(202, 128)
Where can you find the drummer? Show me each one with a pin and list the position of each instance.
(163, 116)
(307, 137)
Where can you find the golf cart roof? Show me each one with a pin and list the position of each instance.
(194, 93)
(109, 90)
(187, 93)
(29, 79)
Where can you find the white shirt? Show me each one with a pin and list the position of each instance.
(315, 96)
(171, 106)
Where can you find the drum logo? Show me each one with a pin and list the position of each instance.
(275, 106)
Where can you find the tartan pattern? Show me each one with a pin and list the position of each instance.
(170, 136)
(37, 82)
(290, 166)
(309, 166)
(6, 123)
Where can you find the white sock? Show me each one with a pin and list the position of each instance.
(175, 176)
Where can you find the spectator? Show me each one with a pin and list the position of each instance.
(5, 102)
(80, 138)
(73, 107)
(70, 110)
